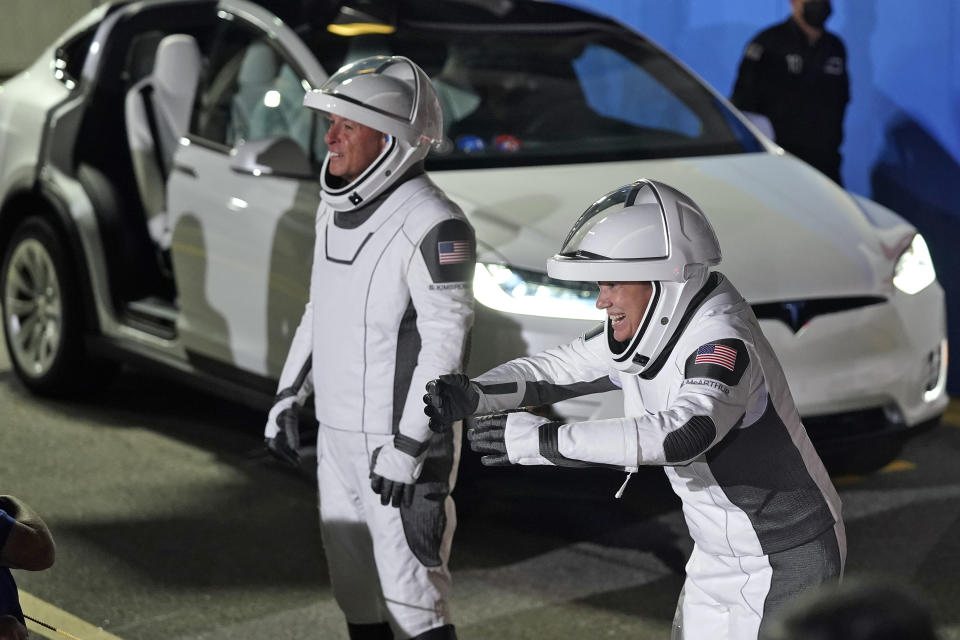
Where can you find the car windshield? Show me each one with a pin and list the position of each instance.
(555, 93)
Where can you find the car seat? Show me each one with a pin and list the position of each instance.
(157, 113)
(257, 73)
(281, 111)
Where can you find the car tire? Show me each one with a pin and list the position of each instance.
(42, 314)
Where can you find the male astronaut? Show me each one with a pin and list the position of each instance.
(390, 307)
(704, 397)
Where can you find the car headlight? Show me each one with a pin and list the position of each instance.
(519, 291)
(914, 269)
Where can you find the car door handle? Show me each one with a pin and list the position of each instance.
(182, 168)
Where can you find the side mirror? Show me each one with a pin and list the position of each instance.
(762, 123)
(280, 157)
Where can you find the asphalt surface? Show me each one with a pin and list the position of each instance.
(171, 523)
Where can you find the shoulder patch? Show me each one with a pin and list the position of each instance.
(722, 360)
(754, 51)
(593, 333)
(450, 251)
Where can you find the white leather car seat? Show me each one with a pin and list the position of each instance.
(281, 111)
(258, 70)
(157, 112)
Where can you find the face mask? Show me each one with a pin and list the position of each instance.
(816, 12)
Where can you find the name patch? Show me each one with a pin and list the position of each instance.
(706, 382)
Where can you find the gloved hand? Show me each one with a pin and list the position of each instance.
(282, 433)
(508, 438)
(449, 398)
(394, 471)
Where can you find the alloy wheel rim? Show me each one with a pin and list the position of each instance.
(33, 306)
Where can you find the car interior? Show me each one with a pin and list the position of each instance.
(130, 126)
(157, 109)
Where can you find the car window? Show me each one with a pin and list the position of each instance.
(250, 92)
(69, 58)
(617, 88)
(555, 93)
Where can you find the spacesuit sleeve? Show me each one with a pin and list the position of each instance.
(711, 401)
(296, 378)
(440, 278)
(748, 86)
(563, 372)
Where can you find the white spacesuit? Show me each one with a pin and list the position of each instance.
(704, 396)
(390, 307)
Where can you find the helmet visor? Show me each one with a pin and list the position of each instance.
(380, 92)
(384, 84)
(627, 196)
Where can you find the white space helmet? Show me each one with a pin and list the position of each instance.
(392, 95)
(645, 231)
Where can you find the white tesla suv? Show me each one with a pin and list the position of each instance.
(158, 185)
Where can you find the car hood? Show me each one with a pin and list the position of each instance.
(786, 231)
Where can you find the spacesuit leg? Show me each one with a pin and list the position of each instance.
(416, 593)
(346, 538)
(805, 567)
(722, 597)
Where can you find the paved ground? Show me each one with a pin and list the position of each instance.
(170, 523)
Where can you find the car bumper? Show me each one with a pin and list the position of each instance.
(890, 356)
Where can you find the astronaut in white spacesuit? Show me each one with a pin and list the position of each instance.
(704, 396)
(390, 307)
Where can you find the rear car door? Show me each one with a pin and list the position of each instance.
(242, 237)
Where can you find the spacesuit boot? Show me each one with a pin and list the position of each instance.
(374, 631)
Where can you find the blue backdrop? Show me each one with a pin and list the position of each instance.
(902, 128)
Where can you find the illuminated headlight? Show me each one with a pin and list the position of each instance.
(914, 269)
(519, 291)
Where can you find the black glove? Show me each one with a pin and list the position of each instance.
(512, 438)
(487, 436)
(449, 398)
(284, 444)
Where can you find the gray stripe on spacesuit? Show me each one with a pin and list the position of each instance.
(712, 282)
(354, 218)
(326, 250)
(690, 440)
(425, 519)
(409, 446)
(498, 388)
(762, 472)
(798, 569)
(549, 447)
(408, 351)
(593, 333)
(541, 392)
(294, 388)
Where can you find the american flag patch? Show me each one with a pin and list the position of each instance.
(454, 251)
(717, 354)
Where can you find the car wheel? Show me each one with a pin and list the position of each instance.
(42, 317)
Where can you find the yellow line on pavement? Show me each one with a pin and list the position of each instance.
(70, 625)
(899, 465)
(896, 465)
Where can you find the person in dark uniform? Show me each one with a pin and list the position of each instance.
(795, 74)
(25, 543)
